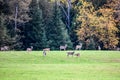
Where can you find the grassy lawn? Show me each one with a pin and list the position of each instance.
(91, 65)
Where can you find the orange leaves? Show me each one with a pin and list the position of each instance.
(101, 26)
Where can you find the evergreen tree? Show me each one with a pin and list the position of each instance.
(2, 30)
(57, 35)
(34, 29)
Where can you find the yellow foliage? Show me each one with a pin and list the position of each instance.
(103, 26)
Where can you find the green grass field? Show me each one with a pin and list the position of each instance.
(91, 65)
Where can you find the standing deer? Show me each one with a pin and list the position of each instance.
(70, 53)
(63, 47)
(30, 49)
(46, 49)
(44, 53)
(99, 48)
(78, 47)
(118, 49)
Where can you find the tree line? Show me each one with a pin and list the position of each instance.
(51, 23)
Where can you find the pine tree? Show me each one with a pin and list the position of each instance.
(57, 35)
(2, 30)
(35, 29)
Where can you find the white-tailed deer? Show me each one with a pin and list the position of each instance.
(99, 48)
(118, 49)
(77, 54)
(46, 49)
(30, 49)
(63, 47)
(70, 53)
(44, 53)
(4, 48)
(78, 47)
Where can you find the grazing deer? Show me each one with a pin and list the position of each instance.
(77, 54)
(30, 49)
(63, 47)
(70, 53)
(44, 53)
(78, 47)
(4, 48)
(46, 49)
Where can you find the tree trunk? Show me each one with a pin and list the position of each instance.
(16, 14)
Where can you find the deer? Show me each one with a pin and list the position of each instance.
(77, 54)
(63, 47)
(70, 53)
(78, 47)
(46, 49)
(44, 53)
(99, 48)
(4, 48)
(30, 49)
(118, 49)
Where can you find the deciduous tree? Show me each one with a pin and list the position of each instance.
(98, 25)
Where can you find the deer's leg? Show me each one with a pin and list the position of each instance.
(67, 54)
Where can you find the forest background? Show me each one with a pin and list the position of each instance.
(51, 23)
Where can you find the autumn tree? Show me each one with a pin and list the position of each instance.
(97, 25)
(115, 5)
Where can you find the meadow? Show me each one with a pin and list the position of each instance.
(91, 65)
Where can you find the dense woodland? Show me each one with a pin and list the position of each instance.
(51, 23)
